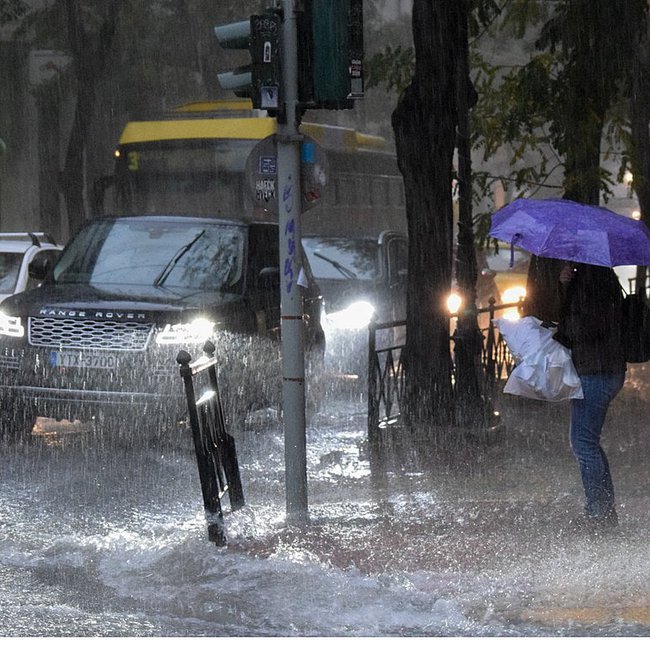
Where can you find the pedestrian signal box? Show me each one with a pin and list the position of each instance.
(259, 80)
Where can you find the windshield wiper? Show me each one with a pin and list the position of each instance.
(343, 270)
(164, 274)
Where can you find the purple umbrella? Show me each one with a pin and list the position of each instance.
(567, 230)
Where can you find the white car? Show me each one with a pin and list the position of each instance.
(18, 252)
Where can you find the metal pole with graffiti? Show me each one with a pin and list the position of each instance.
(289, 208)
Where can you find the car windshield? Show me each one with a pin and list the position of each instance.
(334, 258)
(9, 269)
(170, 254)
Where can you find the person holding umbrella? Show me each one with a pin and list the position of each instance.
(591, 325)
(588, 241)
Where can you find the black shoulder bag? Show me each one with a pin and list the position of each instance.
(636, 328)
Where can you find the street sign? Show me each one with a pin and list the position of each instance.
(262, 174)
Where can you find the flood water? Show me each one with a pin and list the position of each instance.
(102, 537)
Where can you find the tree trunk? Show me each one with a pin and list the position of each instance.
(48, 105)
(469, 398)
(89, 61)
(424, 123)
(582, 163)
(640, 119)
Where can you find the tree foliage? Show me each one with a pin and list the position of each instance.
(392, 68)
(552, 112)
(560, 106)
(11, 10)
(129, 58)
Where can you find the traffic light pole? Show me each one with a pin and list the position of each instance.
(330, 76)
(289, 208)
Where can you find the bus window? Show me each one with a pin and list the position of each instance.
(364, 187)
(396, 192)
(205, 180)
(379, 193)
(347, 192)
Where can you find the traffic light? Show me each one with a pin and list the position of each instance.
(235, 36)
(330, 53)
(260, 80)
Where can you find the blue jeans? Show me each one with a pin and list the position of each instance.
(587, 419)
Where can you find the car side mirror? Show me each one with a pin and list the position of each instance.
(39, 267)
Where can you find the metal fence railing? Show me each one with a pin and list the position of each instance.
(386, 372)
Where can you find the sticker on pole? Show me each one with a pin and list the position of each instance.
(262, 174)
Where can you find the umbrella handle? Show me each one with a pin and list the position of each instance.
(515, 238)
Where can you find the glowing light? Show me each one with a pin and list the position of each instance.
(11, 325)
(454, 301)
(355, 317)
(513, 294)
(198, 331)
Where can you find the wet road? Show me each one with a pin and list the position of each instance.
(105, 537)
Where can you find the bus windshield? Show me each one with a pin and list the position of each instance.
(200, 178)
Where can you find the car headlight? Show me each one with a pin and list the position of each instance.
(11, 326)
(513, 294)
(198, 331)
(355, 317)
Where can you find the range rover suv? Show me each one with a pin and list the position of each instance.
(100, 336)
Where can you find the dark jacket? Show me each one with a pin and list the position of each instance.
(591, 320)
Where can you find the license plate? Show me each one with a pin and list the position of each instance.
(81, 359)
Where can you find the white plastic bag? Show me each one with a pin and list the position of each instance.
(544, 368)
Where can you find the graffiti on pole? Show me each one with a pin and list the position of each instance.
(290, 235)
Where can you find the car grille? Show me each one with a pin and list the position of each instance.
(85, 334)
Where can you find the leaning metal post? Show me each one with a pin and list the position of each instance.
(216, 456)
(225, 443)
(207, 475)
(490, 344)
